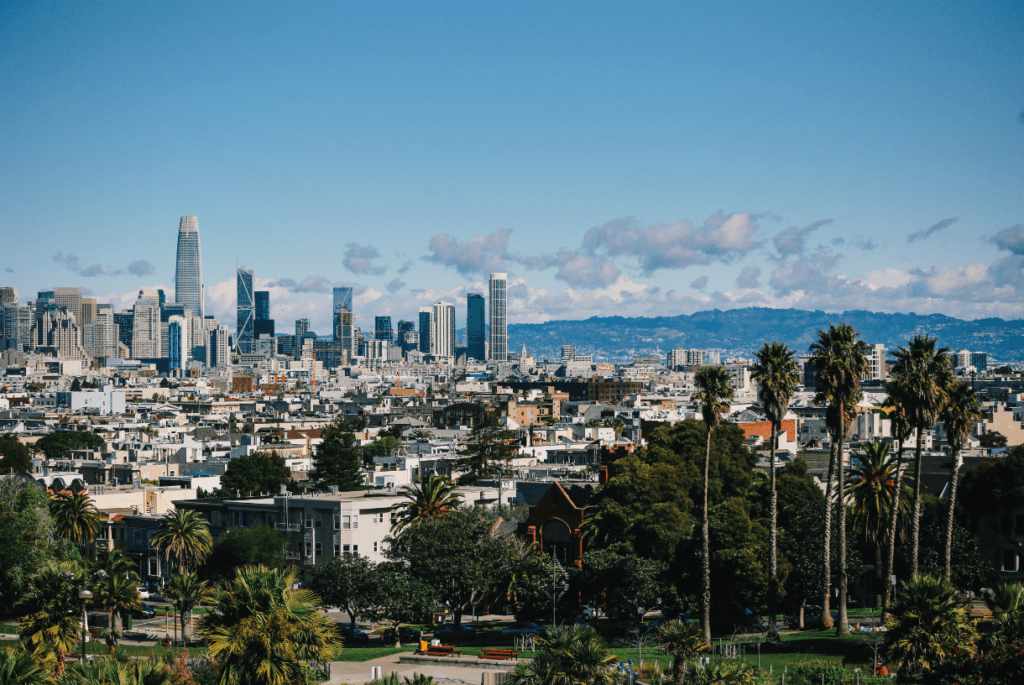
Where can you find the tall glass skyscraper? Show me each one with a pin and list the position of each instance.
(475, 326)
(443, 330)
(426, 319)
(188, 273)
(382, 328)
(246, 311)
(343, 319)
(499, 319)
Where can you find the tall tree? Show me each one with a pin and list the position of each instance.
(183, 539)
(839, 363)
(346, 583)
(433, 497)
(75, 518)
(488, 453)
(14, 456)
(116, 594)
(901, 430)
(338, 459)
(254, 473)
(923, 372)
(257, 545)
(958, 418)
(775, 371)
(56, 444)
(54, 610)
(713, 393)
(117, 564)
(187, 592)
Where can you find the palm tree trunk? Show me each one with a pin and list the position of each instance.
(844, 623)
(186, 625)
(954, 477)
(773, 566)
(826, 572)
(915, 525)
(705, 618)
(894, 518)
(879, 586)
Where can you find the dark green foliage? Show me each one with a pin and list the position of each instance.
(992, 439)
(489, 451)
(250, 546)
(56, 444)
(15, 456)
(994, 484)
(76, 385)
(255, 473)
(619, 580)
(346, 583)
(385, 446)
(338, 461)
(969, 569)
(399, 596)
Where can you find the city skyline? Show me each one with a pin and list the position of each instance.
(610, 161)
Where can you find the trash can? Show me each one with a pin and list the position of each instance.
(128, 622)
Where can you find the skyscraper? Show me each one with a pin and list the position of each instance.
(475, 327)
(188, 272)
(262, 305)
(246, 311)
(146, 325)
(343, 319)
(499, 320)
(426, 314)
(443, 330)
(382, 328)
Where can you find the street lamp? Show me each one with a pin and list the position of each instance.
(84, 594)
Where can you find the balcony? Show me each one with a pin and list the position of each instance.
(290, 527)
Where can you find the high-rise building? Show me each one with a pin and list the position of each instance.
(100, 337)
(476, 327)
(426, 315)
(875, 357)
(262, 305)
(246, 311)
(342, 321)
(382, 328)
(59, 332)
(17, 327)
(8, 295)
(499, 318)
(125, 322)
(443, 330)
(177, 343)
(218, 354)
(146, 326)
(301, 327)
(188, 272)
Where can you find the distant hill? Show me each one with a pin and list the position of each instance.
(741, 331)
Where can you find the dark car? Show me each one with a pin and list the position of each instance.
(520, 629)
(401, 634)
(450, 633)
(145, 611)
(353, 637)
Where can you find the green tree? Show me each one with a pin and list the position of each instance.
(338, 461)
(568, 655)
(684, 642)
(433, 497)
(713, 392)
(930, 623)
(76, 385)
(111, 670)
(901, 431)
(14, 456)
(399, 596)
(183, 539)
(257, 545)
(261, 631)
(969, 569)
(991, 490)
(488, 453)
(923, 373)
(119, 590)
(346, 583)
(54, 611)
(24, 667)
(384, 446)
(56, 444)
(992, 439)
(839, 363)
(75, 518)
(623, 581)
(254, 473)
(776, 372)
(187, 592)
(958, 418)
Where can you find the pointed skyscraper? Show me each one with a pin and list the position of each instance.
(188, 273)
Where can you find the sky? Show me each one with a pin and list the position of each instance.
(632, 159)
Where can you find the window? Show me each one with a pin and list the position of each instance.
(154, 567)
(216, 519)
(355, 521)
(309, 549)
(238, 518)
(309, 520)
(346, 522)
(355, 549)
(345, 549)
(319, 521)
(378, 518)
(319, 549)
(375, 547)
(337, 550)
(1009, 560)
(337, 522)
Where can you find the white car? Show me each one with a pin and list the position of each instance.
(143, 592)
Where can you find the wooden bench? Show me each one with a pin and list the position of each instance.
(499, 654)
(442, 650)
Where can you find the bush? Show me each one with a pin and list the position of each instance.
(811, 673)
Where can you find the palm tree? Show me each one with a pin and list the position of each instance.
(116, 594)
(684, 642)
(111, 671)
(183, 539)
(433, 497)
(117, 564)
(75, 518)
(262, 631)
(900, 429)
(568, 655)
(24, 667)
(1006, 601)
(958, 418)
(54, 617)
(839, 364)
(923, 373)
(713, 392)
(930, 623)
(775, 371)
(871, 492)
(187, 592)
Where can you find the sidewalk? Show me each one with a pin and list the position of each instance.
(357, 673)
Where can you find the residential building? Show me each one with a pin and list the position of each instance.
(100, 337)
(246, 312)
(476, 327)
(178, 344)
(218, 351)
(875, 357)
(188, 272)
(58, 332)
(442, 343)
(499, 319)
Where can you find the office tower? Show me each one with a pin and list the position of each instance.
(382, 328)
(499, 319)
(475, 327)
(146, 326)
(405, 336)
(568, 353)
(8, 295)
(426, 314)
(17, 328)
(262, 305)
(443, 329)
(100, 337)
(59, 332)
(301, 326)
(71, 298)
(177, 343)
(218, 348)
(342, 319)
(246, 310)
(125, 322)
(188, 272)
(979, 360)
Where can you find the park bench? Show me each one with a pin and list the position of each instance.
(499, 654)
(442, 650)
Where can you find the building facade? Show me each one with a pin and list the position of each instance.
(342, 324)
(246, 312)
(476, 327)
(499, 320)
(188, 270)
(442, 343)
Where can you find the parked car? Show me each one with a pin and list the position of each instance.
(145, 611)
(157, 597)
(353, 636)
(401, 633)
(450, 633)
(143, 592)
(520, 629)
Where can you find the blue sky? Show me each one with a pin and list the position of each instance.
(614, 158)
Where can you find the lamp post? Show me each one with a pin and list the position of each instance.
(84, 594)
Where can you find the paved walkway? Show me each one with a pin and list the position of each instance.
(358, 672)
